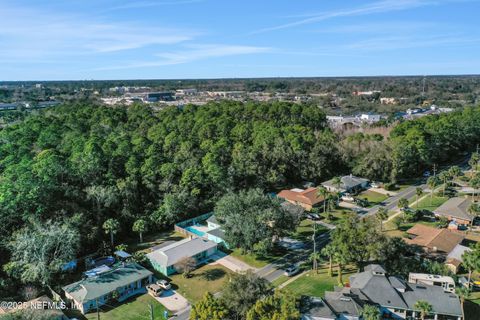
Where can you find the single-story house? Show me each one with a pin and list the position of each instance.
(308, 198)
(394, 297)
(455, 259)
(434, 241)
(456, 209)
(124, 281)
(164, 260)
(348, 184)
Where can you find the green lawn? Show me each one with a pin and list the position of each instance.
(373, 197)
(136, 308)
(280, 280)
(210, 278)
(257, 261)
(430, 203)
(316, 284)
(304, 231)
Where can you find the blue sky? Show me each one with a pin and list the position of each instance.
(170, 39)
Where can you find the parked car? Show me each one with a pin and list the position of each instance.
(426, 174)
(292, 270)
(154, 290)
(313, 216)
(375, 185)
(164, 284)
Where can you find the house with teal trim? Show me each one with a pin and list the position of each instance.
(164, 260)
(112, 284)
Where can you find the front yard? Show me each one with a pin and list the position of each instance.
(137, 308)
(430, 204)
(304, 231)
(374, 198)
(315, 284)
(210, 278)
(258, 261)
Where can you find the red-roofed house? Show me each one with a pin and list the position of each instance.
(306, 198)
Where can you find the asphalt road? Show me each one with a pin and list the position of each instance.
(392, 202)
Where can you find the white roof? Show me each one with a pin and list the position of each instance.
(171, 254)
(458, 252)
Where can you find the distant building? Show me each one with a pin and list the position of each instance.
(394, 297)
(370, 117)
(158, 96)
(365, 93)
(308, 198)
(186, 92)
(388, 100)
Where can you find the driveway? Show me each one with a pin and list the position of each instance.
(231, 263)
(173, 300)
(383, 191)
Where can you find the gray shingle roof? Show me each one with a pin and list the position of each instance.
(94, 287)
(381, 290)
(456, 207)
(347, 182)
(171, 254)
(316, 308)
(218, 232)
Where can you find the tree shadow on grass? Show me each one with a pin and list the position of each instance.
(213, 274)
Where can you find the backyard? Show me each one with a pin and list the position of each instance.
(210, 278)
(315, 284)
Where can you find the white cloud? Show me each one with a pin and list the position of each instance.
(372, 8)
(192, 53)
(28, 33)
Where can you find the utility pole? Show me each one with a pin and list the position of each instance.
(314, 246)
(434, 170)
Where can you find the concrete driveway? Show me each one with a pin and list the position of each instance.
(173, 300)
(230, 262)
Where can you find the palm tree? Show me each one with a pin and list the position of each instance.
(474, 209)
(315, 257)
(341, 262)
(371, 312)
(424, 307)
(432, 183)
(403, 203)
(111, 226)
(444, 176)
(323, 192)
(455, 172)
(329, 251)
(475, 184)
(471, 262)
(463, 293)
(140, 226)
(418, 193)
(382, 214)
(337, 182)
(474, 161)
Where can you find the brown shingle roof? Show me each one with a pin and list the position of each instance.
(434, 239)
(308, 196)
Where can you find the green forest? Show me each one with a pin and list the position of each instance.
(79, 165)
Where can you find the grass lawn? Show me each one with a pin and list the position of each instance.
(430, 204)
(339, 214)
(151, 240)
(257, 261)
(373, 197)
(315, 284)
(210, 278)
(304, 231)
(136, 308)
(283, 278)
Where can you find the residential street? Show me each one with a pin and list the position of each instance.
(391, 203)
